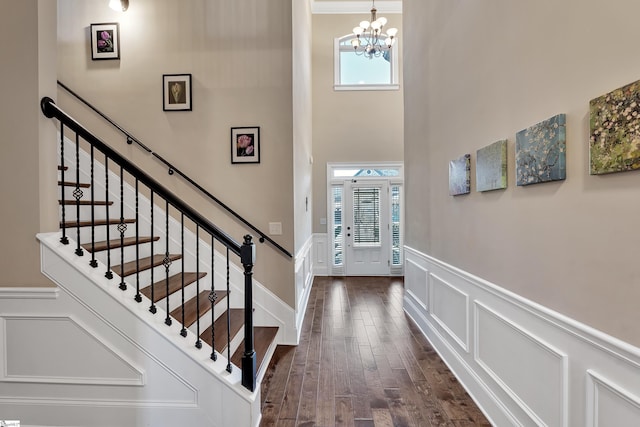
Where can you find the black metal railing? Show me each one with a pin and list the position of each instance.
(158, 196)
(262, 237)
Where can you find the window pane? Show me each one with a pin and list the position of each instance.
(366, 216)
(360, 70)
(338, 237)
(395, 226)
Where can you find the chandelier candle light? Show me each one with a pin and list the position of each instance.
(369, 36)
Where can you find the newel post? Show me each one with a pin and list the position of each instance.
(248, 257)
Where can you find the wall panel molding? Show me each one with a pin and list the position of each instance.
(527, 365)
(526, 360)
(23, 337)
(606, 399)
(449, 307)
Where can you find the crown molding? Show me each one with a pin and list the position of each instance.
(351, 7)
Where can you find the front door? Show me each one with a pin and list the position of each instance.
(367, 230)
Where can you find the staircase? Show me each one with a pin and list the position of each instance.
(149, 242)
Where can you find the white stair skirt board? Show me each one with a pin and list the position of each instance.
(523, 364)
(124, 366)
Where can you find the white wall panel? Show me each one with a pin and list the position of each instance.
(610, 405)
(527, 365)
(26, 338)
(416, 283)
(449, 307)
(533, 373)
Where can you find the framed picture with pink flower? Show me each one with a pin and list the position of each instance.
(245, 145)
(105, 41)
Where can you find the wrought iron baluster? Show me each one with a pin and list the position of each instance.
(199, 341)
(64, 239)
(167, 261)
(152, 308)
(77, 194)
(212, 298)
(183, 332)
(108, 274)
(229, 368)
(93, 263)
(122, 227)
(138, 297)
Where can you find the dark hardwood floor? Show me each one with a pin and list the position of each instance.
(362, 362)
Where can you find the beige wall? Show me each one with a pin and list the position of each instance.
(302, 122)
(349, 126)
(477, 72)
(240, 56)
(27, 182)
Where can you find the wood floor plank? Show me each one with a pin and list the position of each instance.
(361, 362)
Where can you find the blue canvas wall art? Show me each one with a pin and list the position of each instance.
(541, 152)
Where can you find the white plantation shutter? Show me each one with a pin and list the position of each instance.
(366, 216)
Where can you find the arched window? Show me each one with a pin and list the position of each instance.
(354, 70)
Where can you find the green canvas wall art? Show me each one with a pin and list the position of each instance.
(491, 167)
(614, 121)
(541, 152)
(460, 175)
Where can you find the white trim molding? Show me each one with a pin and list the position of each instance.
(524, 365)
(354, 7)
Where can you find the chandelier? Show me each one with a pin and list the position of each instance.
(370, 39)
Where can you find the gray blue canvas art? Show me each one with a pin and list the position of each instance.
(491, 167)
(460, 175)
(541, 152)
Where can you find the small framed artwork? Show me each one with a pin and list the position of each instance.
(105, 41)
(176, 92)
(245, 145)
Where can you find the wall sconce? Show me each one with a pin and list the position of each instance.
(119, 5)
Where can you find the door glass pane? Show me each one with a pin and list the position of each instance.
(338, 238)
(366, 217)
(395, 226)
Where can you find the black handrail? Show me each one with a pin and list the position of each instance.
(50, 109)
(172, 169)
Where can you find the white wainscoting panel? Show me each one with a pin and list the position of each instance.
(304, 280)
(449, 307)
(523, 364)
(417, 283)
(610, 405)
(320, 255)
(524, 361)
(26, 338)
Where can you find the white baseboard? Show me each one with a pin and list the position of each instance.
(523, 363)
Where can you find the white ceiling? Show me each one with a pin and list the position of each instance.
(354, 6)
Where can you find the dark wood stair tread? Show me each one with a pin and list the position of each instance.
(116, 243)
(263, 337)
(236, 319)
(175, 284)
(86, 202)
(145, 264)
(60, 168)
(191, 308)
(74, 184)
(112, 221)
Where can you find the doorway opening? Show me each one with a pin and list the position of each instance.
(365, 211)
